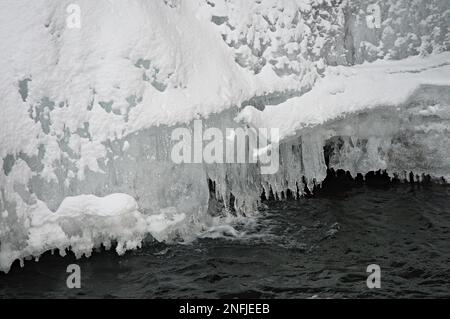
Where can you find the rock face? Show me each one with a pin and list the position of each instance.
(283, 33)
(89, 108)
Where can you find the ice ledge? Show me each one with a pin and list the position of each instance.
(346, 90)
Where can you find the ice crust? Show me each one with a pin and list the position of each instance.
(85, 222)
(87, 114)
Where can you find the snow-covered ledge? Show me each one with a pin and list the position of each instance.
(388, 115)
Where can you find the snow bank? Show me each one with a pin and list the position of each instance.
(86, 222)
(346, 90)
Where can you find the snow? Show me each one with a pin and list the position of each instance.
(346, 90)
(83, 223)
(87, 114)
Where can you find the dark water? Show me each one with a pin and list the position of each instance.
(313, 247)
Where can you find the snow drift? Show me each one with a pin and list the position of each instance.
(89, 111)
(85, 222)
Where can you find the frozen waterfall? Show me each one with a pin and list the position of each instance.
(88, 111)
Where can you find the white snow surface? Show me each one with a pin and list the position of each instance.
(345, 90)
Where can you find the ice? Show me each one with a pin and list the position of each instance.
(89, 112)
(346, 90)
(384, 115)
(86, 222)
(413, 140)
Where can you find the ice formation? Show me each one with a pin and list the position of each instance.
(385, 115)
(89, 111)
(83, 223)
